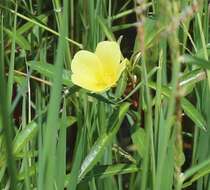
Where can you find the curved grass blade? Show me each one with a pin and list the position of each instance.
(20, 40)
(196, 172)
(104, 171)
(98, 148)
(188, 108)
(24, 136)
(202, 63)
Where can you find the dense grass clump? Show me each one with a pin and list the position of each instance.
(136, 122)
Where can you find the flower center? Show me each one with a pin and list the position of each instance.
(108, 78)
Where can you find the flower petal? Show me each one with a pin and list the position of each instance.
(87, 71)
(109, 54)
(100, 71)
(88, 83)
(87, 65)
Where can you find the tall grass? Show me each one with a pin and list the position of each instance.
(149, 132)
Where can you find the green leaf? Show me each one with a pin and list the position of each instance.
(2, 172)
(105, 28)
(28, 25)
(195, 61)
(188, 108)
(23, 137)
(31, 171)
(122, 84)
(110, 170)
(19, 79)
(189, 79)
(103, 141)
(138, 137)
(47, 70)
(196, 172)
(101, 98)
(193, 113)
(69, 121)
(20, 40)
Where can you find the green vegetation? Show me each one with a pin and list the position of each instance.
(149, 132)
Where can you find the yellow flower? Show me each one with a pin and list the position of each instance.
(98, 71)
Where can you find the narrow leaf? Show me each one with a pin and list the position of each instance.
(98, 148)
(48, 70)
(24, 136)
